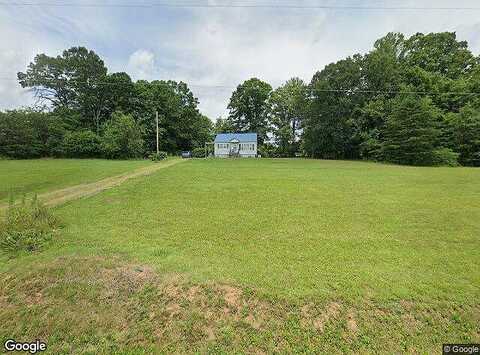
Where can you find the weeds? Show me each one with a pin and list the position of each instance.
(27, 226)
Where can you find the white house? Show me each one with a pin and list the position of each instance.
(235, 145)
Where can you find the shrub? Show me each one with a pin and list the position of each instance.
(158, 156)
(445, 157)
(261, 151)
(122, 138)
(27, 227)
(268, 150)
(81, 144)
(198, 152)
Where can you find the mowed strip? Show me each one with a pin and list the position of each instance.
(58, 197)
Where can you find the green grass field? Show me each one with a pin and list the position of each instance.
(256, 256)
(20, 177)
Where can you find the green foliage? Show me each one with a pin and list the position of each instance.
(268, 150)
(18, 138)
(158, 156)
(346, 112)
(466, 135)
(198, 152)
(76, 79)
(27, 227)
(30, 134)
(79, 88)
(122, 138)
(445, 157)
(287, 108)
(249, 108)
(82, 144)
(351, 101)
(223, 125)
(439, 53)
(182, 127)
(411, 131)
(329, 126)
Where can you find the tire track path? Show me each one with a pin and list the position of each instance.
(58, 197)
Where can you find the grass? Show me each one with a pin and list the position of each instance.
(20, 177)
(259, 255)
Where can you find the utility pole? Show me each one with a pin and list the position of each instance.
(156, 117)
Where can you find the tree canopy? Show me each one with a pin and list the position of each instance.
(249, 107)
(409, 100)
(85, 97)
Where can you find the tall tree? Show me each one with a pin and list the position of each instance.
(381, 67)
(287, 107)
(411, 132)
(335, 97)
(182, 126)
(439, 53)
(122, 138)
(76, 80)
(249, 108)
(119, 93)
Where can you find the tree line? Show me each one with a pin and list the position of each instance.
(409, 101)
(84, 111)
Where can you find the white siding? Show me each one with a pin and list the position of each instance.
(247, 149)
(222, 149)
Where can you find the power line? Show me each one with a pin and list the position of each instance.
(239, 5)
(344, 91)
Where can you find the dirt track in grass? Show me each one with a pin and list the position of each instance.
(58, 197)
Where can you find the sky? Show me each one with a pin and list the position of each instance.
(211, 48)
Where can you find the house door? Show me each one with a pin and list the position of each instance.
(234, 148)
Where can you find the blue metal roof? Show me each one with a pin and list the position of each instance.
(241, 137)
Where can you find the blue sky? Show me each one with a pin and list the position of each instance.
(211, 47)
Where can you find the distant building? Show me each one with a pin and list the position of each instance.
(242, 145)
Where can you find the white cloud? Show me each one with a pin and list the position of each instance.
(141, 64)
(11, 94)
(208, 47)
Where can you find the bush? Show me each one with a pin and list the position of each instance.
(268, 150)
(445, 157)
(81, 144)
(27, 227)
(261, 151)
(122, 138)
(158, 156)
(198, 152)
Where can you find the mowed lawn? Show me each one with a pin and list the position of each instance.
(259, 255)
(20, 177)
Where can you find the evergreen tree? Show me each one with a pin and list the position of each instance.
(411, 131)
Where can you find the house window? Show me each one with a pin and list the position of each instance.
(247, 147)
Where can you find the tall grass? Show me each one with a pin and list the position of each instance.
(27, 226)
